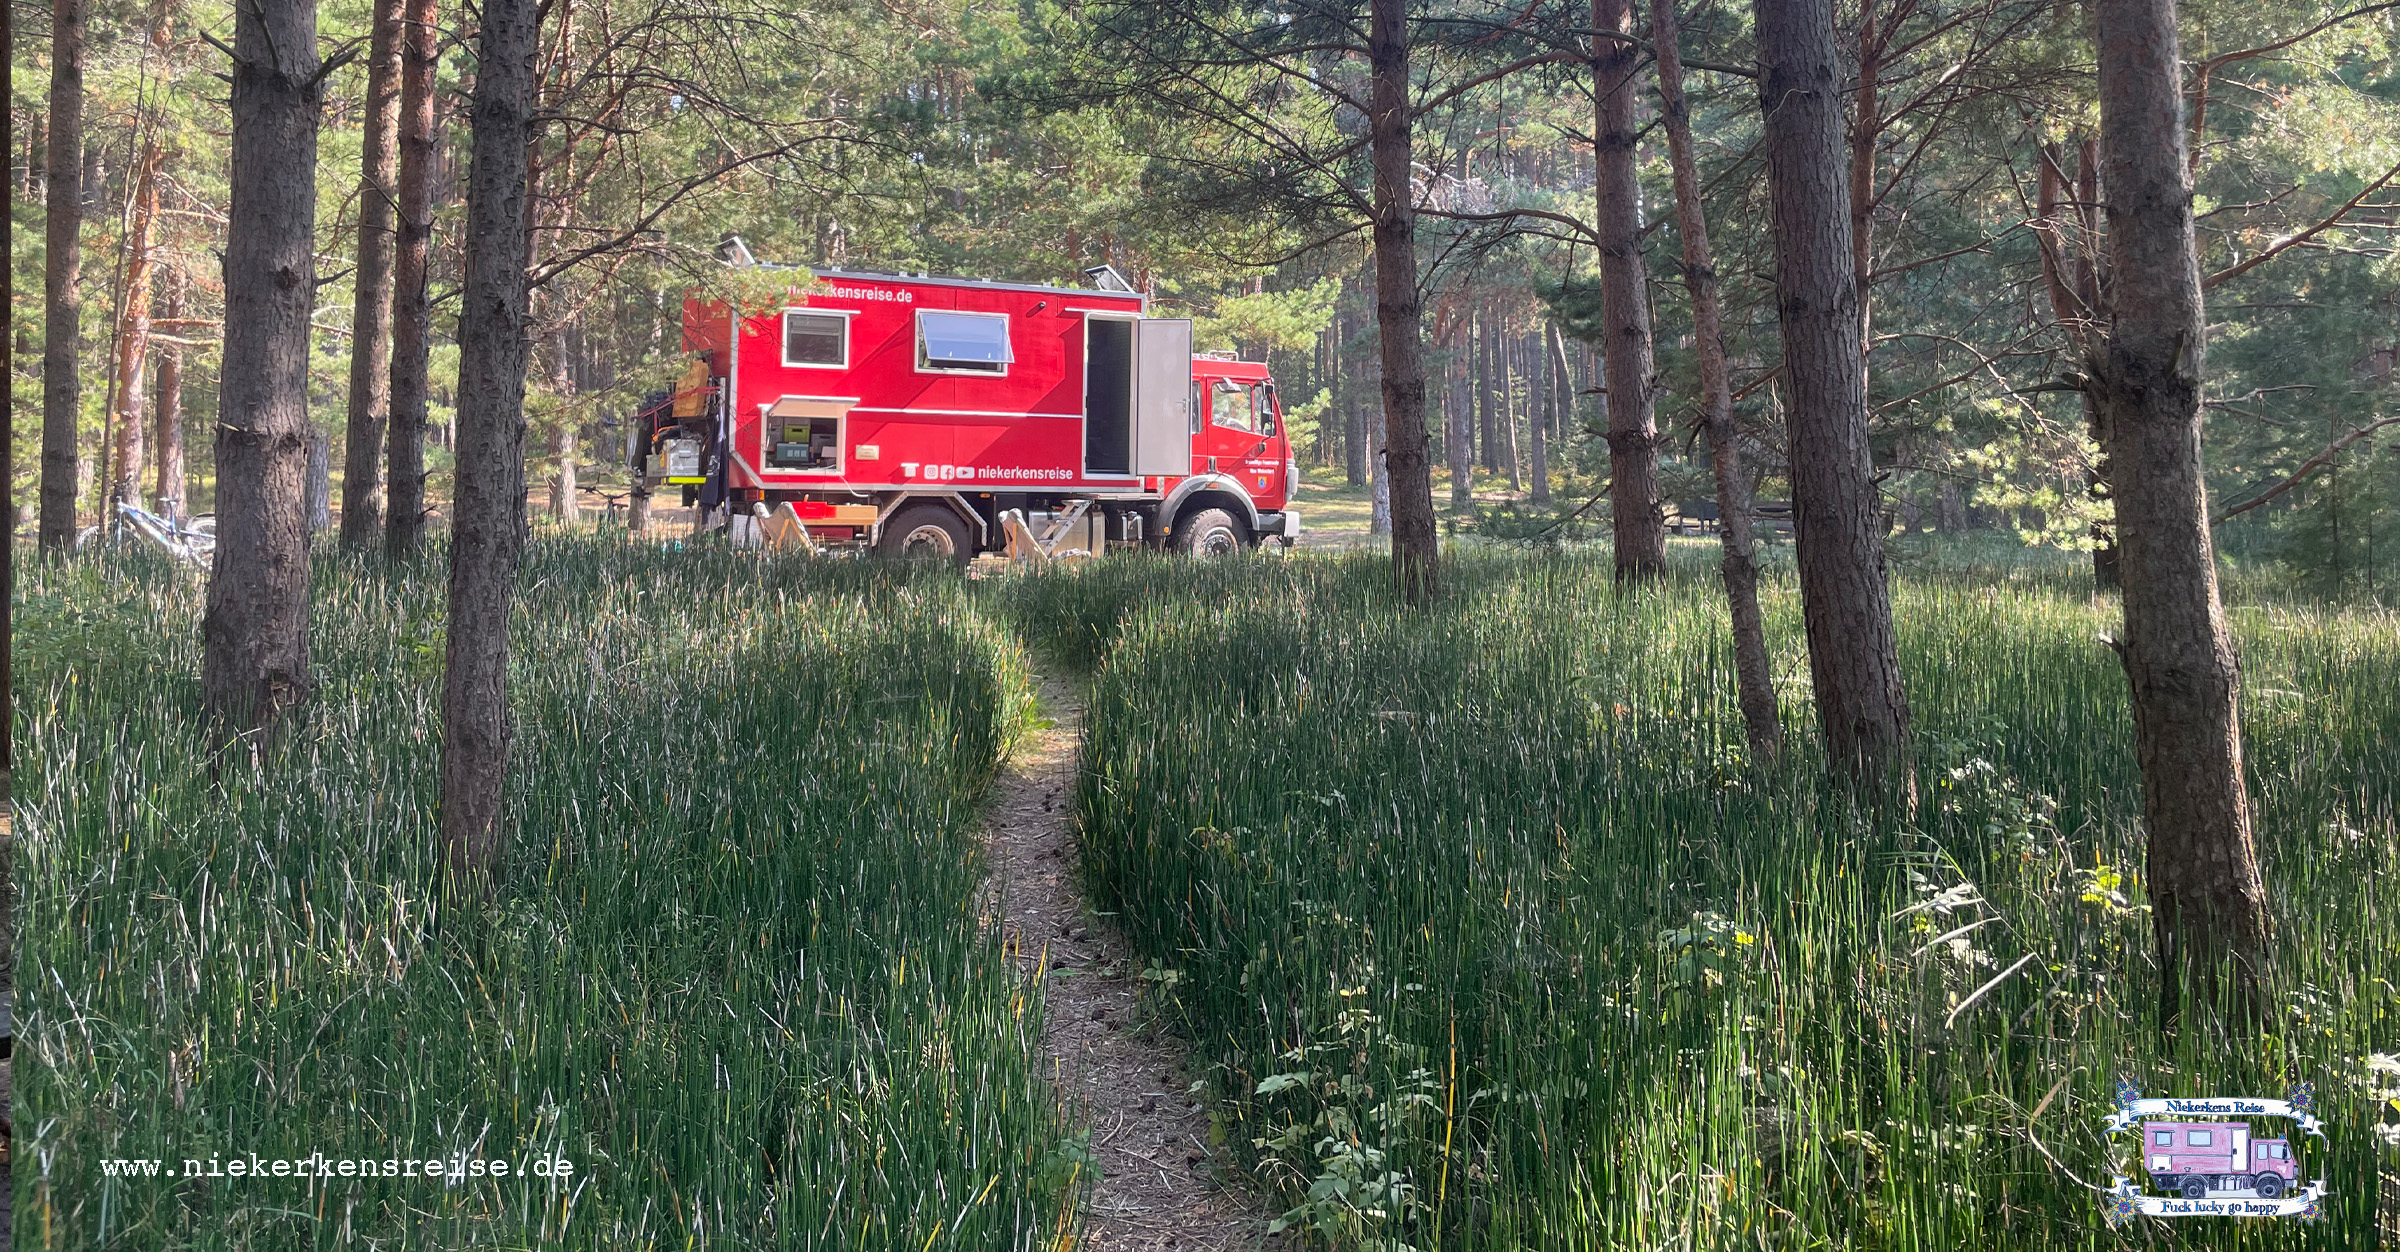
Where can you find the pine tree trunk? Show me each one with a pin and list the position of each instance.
(1754, 675)
(1416, 544)
(1487, 411)
(1352, 388)
(1507, 352)
(133, 331)
(1354, 413)
(170, 493)
(1845, 602)
(1461, 452)
(255, 664)
(1866, 127)
(1458, 412)
(318, 499)
(371, 307)
(1640, 526)
(2087, 283)
(488, 526)
(1542, 375)
(2070, 278)
(1949, 508)
(2208, 904)
(1379, 494)
(62, 268)
(412, 310)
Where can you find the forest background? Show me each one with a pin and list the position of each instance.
(944, 137)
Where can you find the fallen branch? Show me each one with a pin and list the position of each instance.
(1985, 989)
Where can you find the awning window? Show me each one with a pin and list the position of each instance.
(963, 341)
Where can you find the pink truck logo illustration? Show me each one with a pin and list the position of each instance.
(2209, 1157)
(2198, 1159)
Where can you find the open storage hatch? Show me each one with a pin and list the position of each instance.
(803, 433)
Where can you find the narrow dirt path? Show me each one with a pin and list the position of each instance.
(1118, 1073)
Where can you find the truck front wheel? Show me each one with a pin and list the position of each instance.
(1209, 533)
(2269, 1186)
(926, 531)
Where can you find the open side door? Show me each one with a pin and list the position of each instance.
(1162, 397)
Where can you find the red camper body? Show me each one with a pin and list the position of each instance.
(916, 413)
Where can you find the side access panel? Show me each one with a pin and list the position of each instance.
(1162, 397)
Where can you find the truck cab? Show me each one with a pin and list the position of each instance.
(1240, 447)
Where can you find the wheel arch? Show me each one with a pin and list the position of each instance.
(977, 528)
(1203, 491)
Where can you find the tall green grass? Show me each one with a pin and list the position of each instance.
(735, 972)
(1495, 938)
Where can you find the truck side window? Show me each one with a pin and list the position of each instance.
(2163, 1138)
(2197, 1139)
(1230, 404)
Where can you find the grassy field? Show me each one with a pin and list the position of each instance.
(1484, 930)
(1494, 939)
(735, 976)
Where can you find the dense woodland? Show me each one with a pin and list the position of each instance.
(1031, 141)
(1549, 878)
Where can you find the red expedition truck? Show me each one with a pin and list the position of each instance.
(2194, 1159)
(913, 414)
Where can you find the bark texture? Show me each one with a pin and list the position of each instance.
(1541, 376)
(1458, 453)
(1399, 315)
(133, 332)
(412, 309)
(1352, 383)
(488, 526)
(2208, 904)
(1754, 674)
(1640, 531)
(62, 269)
(255, 664)
(371, 300)
(1852, 655)
(170, 487)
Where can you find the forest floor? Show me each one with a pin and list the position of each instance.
(1119, 1071)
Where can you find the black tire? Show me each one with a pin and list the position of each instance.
(2268, 1186)
(927, 531)
(1209, 533)
(2194, 1188)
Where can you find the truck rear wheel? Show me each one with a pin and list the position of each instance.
(926, 531)
(1210, 533)
(2195, 1188)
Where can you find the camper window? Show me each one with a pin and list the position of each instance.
(963, 343)
(816, 340)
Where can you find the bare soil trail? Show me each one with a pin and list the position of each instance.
(1117, 1071)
